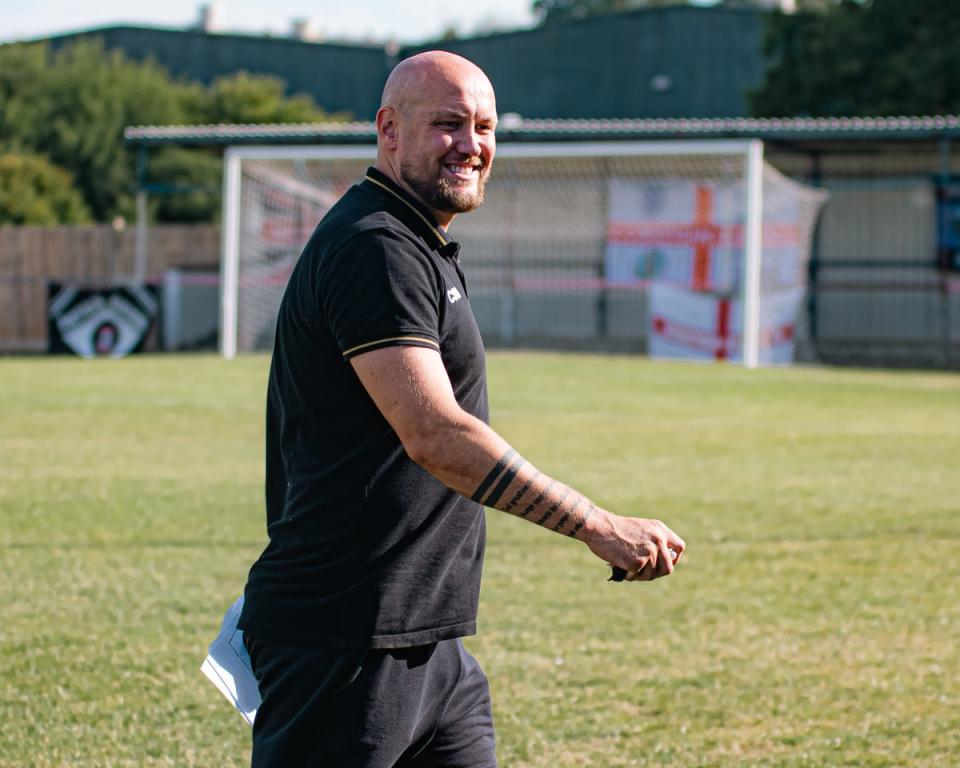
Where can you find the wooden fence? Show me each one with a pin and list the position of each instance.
(31, 257)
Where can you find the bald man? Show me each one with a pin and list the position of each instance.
(380, 461)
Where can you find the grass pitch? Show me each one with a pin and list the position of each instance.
(814, 621)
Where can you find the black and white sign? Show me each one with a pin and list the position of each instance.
(94, 322)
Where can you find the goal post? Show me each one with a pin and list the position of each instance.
(655, 245)
(752, 254)
(240, 166)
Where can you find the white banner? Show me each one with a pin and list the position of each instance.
(683, 238)
(696, 326)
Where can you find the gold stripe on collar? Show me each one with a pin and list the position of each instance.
(424, 219)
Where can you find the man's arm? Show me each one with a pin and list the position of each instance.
(412, 390)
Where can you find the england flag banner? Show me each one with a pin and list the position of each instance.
(686, 325)
(683, 239)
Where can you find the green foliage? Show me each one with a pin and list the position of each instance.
(813, 622)
(33, 191)
(246, 98)
(192, 181)
(74, 110)
(21, 67)
(72, 105)
(896, 57)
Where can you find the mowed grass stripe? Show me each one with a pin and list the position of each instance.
(814, 621)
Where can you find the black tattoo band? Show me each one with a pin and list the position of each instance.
(540, 497)
(508, 507)
(549, 513)
(586, 516)
(508, 477)
(494, 474)
(566, 515)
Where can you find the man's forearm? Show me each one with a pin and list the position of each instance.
(476, 462)
(519, 488)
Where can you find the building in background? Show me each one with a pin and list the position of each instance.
(340, 77)
(671, 62)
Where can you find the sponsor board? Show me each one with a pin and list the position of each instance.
(99, 322)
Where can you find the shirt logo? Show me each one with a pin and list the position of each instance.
(454, 295)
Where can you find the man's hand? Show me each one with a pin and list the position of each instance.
(644, 549)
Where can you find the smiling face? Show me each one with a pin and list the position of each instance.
(436, 132)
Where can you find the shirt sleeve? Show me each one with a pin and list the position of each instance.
(379, 290)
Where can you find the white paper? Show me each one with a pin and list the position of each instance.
(227, 666)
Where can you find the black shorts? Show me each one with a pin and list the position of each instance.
(422, 707)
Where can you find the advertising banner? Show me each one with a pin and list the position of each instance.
(92, 322)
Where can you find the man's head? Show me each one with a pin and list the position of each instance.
(435, 131)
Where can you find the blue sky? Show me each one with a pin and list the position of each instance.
(411, 21)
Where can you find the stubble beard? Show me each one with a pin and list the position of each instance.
(438, 193)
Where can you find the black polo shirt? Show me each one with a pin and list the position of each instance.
(367, 549)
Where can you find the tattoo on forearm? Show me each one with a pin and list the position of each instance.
(513, 469)
(494, 474)
(578, 510)
(540, 497)
(508, 507)
(582, 521)
(554, 507)
(568, 513)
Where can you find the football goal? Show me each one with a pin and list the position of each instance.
(681, 249)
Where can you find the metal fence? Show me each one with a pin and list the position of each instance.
(878, 296)
(880, 292)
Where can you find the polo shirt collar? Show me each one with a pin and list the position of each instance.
(417, 215)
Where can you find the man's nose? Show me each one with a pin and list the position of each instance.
(469, 141)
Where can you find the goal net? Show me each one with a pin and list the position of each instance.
(681, 249)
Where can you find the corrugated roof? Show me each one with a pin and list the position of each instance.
(515, 128)
(259, 132)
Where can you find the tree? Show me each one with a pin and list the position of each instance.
(896, 57)
(246, 98)
(36, 192)
(72, 105)
(193, 181)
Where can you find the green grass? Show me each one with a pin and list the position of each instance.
(814, 621)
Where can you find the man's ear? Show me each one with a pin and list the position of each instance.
(387, 126)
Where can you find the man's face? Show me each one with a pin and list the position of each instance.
(446, 146)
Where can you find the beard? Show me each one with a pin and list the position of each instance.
(438, 193)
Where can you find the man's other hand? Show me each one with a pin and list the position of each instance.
(645, 549)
